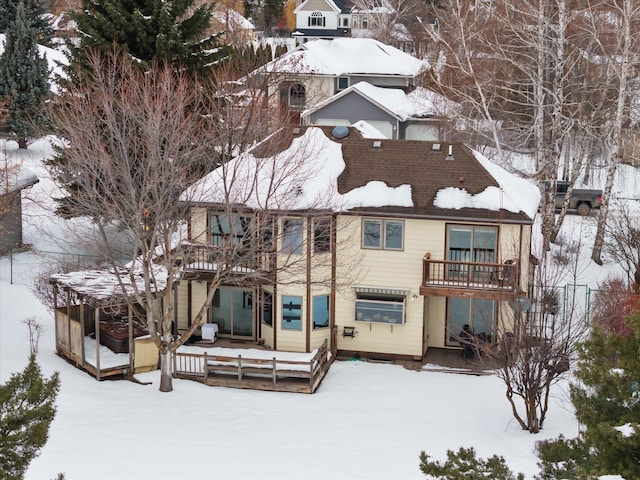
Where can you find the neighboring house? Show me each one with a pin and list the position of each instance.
(418, 240)
(322, 19)
(315, 71)
(237, 29)
(419, 115)
(12, 182)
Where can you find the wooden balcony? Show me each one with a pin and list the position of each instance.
(450, 278)
(209, 258)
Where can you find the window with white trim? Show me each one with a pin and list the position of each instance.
(380, 308)
(292, 235)
(291, 313)
(316, 20)
(321, 235)
(320, 311)
(383, 234)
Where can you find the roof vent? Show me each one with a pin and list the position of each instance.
(435, 147)
(377, 144)
(340, 131)
(450, 155)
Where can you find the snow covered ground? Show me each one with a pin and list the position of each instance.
(367, 420)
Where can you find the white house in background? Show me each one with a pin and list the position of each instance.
(316, 70)
(421, 114)
(337, 18)
(322, 19)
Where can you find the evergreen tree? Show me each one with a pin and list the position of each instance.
(465, 465)
(607, 405)
(149, 30)
(26, 411)
(23, 79)
(35, 12)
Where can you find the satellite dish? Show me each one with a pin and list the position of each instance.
(520, 304)
(340, 131)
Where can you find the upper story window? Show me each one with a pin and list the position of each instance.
(229, 228)
(471, 244)
(343, 82)
(316, 20)
(383, 234)
(345, 22)
(292, 235)
(321, 235)
(297, 95)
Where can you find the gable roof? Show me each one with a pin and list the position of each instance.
(419, 103)
(233, 19)
(357, 174)
(335, 6)
(347, 56)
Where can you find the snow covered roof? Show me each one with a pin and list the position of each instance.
(233, 19)
(13, 179)
(347, 56)
(103, 285)
(419, 103)
(316, 170)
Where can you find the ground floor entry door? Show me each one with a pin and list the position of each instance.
(232, 310)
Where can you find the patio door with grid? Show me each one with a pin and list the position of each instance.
(471, 244)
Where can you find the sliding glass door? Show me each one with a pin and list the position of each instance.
(232, 310)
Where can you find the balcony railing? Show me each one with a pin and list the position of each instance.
(209, 258)
(440, 277)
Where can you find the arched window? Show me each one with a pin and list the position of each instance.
(297, 94)
(316, 20)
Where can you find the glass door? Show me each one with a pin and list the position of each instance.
(232, 310)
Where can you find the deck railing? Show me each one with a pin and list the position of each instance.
(246, 370)
(210, 257)
(471, 275)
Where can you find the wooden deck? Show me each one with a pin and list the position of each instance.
(265, 373)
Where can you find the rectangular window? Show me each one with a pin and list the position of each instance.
(471, 244)
(291, 313)
(229, 228)
(343, 83)
(385, 234)
(320, 311)
(292, 235)
(267, 308)
(321, 235)
(380, 308)
(479, 314)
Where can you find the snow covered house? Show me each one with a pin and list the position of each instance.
(420, 114)
(315, 71)
(389, 247)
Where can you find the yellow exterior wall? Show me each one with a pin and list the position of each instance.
(199, 225)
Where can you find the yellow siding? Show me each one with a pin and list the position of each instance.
(199, 225)
(198, 297)
(182, 307)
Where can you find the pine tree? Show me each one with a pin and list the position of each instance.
(27, 407)
(35, 12)
(23, 79)
(607, 405)
(465, 465)
(150, 30)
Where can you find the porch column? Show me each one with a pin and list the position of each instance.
(131, 344)
(97, 327)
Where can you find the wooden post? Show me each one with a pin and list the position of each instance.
(206, 369)
(69, 325)
(97, 327)
(82, 330)
(239, 368)
(131, 342)
(274, 370)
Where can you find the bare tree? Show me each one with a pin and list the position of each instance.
(136, 146)
(537, 346)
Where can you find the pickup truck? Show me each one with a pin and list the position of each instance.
(581, 199)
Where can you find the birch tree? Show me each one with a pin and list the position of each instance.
(134, 142)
